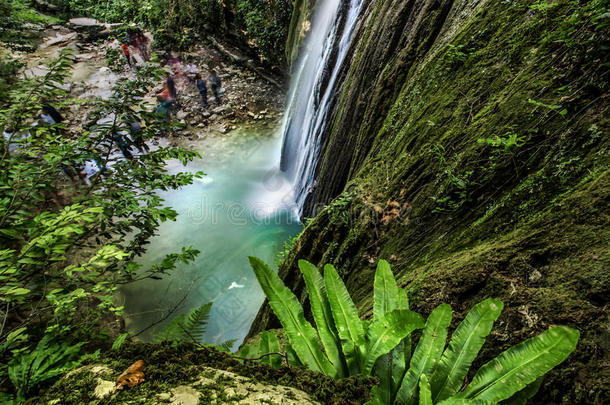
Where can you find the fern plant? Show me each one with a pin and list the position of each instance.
(46, 361)
(342, 345)
(191, 327)
(434, 372)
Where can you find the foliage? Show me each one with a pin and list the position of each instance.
(553, 107)
(115, 59)
(285, 250)
(266, 23)
(69, 243)
(351, 346)
(453, 190)
(47, 360)
(191, 327)
(505, 143)
(339, 208)
(118, 342)
(344, 345)
(8, 75)
(187, 327)
(269, 349)
(13, 31)
(177, 24)
(455, 56)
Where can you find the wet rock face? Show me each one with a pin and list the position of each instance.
(430, 95)
(397, 36)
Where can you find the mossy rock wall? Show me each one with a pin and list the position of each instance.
(469, 147)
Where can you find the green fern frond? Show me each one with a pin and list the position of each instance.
(46, 361)
(189, 327)
(171, 331)
(196, 322)
(227, 346)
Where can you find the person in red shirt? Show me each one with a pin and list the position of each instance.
(126, 53)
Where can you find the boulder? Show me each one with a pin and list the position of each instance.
(59, 39)
(90, 29)
(185, 374)
(210, 386)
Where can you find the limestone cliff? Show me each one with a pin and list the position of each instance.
(469, 145)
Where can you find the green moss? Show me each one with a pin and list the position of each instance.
(172, 364)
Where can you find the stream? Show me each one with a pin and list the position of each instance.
(242, 207)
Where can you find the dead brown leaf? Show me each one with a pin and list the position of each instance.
(134, 375)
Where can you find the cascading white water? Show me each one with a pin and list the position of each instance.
(312, 86)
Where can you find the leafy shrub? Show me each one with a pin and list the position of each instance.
(114, 59)
(177, 24)
(266, 23)
(8, 75)
(434, 372)
(67, 244)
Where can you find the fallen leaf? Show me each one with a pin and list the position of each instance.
(134, 375)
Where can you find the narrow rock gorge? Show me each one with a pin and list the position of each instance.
(467, 144)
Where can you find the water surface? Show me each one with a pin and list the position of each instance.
(242, 207)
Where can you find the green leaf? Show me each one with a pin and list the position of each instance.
(385, 291)
(270, 343)
(320, 308)
(17, 291)
(403, 300)
(386, 333)
(196, 322)
(250, 351)
(349, 326)
(390, 369)
(376, 397)
(286, 306)
(11, 232)
(425, 395)
(463, 348)
(521, 397)
(28, 260)
(119, 341)
(427, 352)
(521, 365)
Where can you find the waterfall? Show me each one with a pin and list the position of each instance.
(312, 87)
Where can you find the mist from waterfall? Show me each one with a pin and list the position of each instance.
(313, 84)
